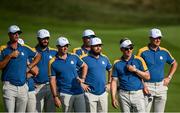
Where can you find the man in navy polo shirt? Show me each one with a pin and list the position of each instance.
(129, 70)
(85, 48)
(97, 97)
(64, 77)
(44, 99)
(15, 89)
(156, 57)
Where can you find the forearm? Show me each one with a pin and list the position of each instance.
(35, 61)
(109, 76)
(84, 70)
(53, 86)
(113, 89)
(142, 74)
(5, 61)
(172, 69)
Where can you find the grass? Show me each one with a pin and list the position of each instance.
(110, 35)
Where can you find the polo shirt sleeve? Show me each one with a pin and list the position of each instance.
(170, 59)
(79, 61)
(31, 52)
(115, 71)
(51, 69)
(143, 66)
(109, 66)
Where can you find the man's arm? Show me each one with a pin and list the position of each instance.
(144, 75)
(171, 73)
(113, 92)
(7, 58)
(37, 58)
(82, 79)
(109, 80)
(54, 91)
(84, 70)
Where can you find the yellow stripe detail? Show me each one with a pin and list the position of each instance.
(82, 56)
(49, 65)
(3, 47)
(75, 49)
(29, 47)
(116, 61)
(161, 48)
(104, 55)
(50, 48)
(142, 50)
(142, 61)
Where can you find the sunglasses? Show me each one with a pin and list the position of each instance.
(63, 46)
(126, 49)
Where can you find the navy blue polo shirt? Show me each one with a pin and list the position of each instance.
(96, 76)
(129, 81)
(46, 55)
(66, 73)
(15, 70)
(156, 61)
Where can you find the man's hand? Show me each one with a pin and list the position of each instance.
(34, 71)
(131, 68)
(146, 90)
(108, 85)
(57, 101)
(166, 81)
(85, 87)
(14, 54)
(115, 103)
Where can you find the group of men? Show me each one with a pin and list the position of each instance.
(42, 78)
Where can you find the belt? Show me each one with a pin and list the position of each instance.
(130, 92)
(46, 83)
(155, 83)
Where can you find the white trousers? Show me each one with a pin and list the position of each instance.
(31, 104)
(15, 97)
(96, 103)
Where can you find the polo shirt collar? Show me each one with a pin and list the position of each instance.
(132, 57)
(158, 49)
(9, 43)
(59, 57)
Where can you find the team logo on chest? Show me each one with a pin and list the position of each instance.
(50, 56)
(72, 62)
(22, 53)
(161, 58)
(103, 62)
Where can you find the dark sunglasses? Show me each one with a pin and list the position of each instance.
(126, 49)
(67, 45)
(158, 38)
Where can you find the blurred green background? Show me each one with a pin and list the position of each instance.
(110, 19)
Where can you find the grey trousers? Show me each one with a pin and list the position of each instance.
(157, 100)
(15, 97)
(132, 101)
(44, 98)
(73, 103)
